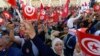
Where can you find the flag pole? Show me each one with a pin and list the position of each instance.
(21, 20)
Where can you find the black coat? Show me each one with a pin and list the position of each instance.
(43, 49)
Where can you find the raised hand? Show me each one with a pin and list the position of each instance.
(29, 29)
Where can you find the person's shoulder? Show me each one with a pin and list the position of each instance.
(97, 33)
(17, 36)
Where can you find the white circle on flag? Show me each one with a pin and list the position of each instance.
(91, 45)
(29, 11)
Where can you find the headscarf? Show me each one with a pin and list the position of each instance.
(54, 41)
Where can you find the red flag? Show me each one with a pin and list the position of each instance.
(68, 1)
(55, 16)
(12, 2)
(89, 44)
(65, 11)
(7, 15)
(29, 13)
(96, 7)
(41, 7)
(42, 13)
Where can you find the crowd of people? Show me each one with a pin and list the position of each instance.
(47, 37)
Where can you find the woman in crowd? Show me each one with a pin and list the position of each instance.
(58, 47)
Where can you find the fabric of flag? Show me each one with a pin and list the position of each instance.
(41, 7)
(65, 11)
(12, 2)
(96, 7)
(42, 13)
(89, 44)
(55, 16)
(29, 13)
(7, 15)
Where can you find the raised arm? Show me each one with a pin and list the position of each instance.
(10, 27)
(29, 29)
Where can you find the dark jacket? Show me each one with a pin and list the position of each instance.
(44, 50)
(27, 48)
(69, 43)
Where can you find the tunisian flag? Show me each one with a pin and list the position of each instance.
(7, 15)
(29, 13)
(55, 16)
(89, 44)
(65, 11)
(42, 15)
(12, 2)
